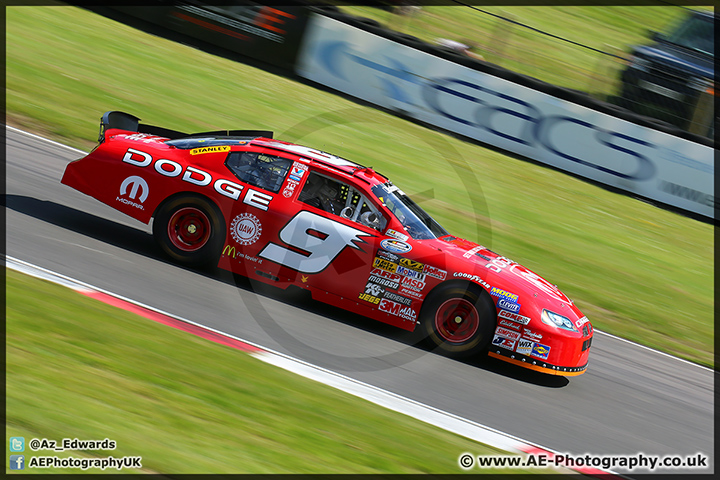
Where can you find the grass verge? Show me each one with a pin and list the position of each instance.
(635, 270)
(78, 368)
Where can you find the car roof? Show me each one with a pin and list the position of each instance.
(324, 160)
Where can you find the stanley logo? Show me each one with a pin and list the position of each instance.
(199, 151)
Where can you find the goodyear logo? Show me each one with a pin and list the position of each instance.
(201, 150)
(502, 293)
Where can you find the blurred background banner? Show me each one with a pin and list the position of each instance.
(508, 115)
(639, 117)
(268, 33)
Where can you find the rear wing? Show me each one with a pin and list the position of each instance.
(125, 121)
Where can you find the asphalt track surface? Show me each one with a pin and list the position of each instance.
(631, 400)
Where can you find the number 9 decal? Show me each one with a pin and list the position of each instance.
(319, 238)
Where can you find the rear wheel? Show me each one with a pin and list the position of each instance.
(189, 230)
(459, 320)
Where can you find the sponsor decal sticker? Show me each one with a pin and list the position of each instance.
(530, 334)
(374, 289)
(413, 283)
(385, 274)
(514, 317)
(130, 187)
(506, 304)
(369, 298)
(472, 251)
(508, 324)
(229, 251)
(246, 229)
(500, 341)
(411, 264)
(410, 273)
(289, 188)
(411, 293)
(390, 257)
(217, 149)
(473, 278)
(397, 309)
(297, 171)
(384, 281)
(507, 333)
(397, 235)
(524, 347)
(581, 322)
(502, 293)
(435, 272)
(540, 351)
(397, 298)
(385, 265)
(395, 246)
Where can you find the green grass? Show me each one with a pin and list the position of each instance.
(637, 271)
(611, 29)
(78, 368)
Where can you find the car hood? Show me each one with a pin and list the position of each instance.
(677, 57)
(502, 276)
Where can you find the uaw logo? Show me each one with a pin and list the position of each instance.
(135, 184)
(246, 229)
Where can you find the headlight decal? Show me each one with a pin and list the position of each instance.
(557, 320)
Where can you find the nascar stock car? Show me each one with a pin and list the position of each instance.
(290, 215)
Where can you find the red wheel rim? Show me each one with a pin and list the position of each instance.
(457, 320)
(189, 229)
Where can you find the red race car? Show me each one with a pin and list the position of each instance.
(285, 214)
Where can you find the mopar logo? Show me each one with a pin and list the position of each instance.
(508, 305)
(135, 183)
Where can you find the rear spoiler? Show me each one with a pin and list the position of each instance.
(125, 121)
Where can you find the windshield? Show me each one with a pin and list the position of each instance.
(416, 221)
(695, 33)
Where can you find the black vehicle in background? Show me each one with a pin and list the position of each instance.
(672, 79)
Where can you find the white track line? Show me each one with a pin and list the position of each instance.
(392, 401)
(630, 342)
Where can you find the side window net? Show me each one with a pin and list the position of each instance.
(258, 169)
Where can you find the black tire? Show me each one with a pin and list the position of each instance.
(458, 319)
(190, 230)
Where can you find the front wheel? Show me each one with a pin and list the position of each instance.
(189, 230)
(459, 320)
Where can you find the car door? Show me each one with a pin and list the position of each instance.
(329, 242)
